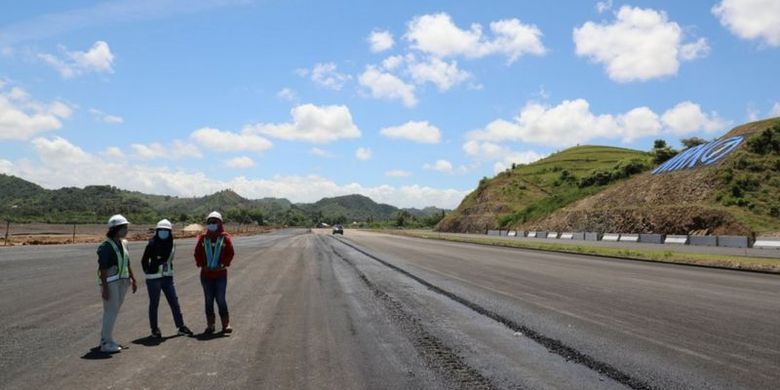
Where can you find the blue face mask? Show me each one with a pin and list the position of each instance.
(163, 234)
(212, 227)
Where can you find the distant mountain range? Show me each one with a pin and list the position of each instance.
(23, 201)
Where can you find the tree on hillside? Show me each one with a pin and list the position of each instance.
(662, 152)
(692, 142)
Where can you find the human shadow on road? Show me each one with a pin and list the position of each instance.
(96, 354)
(150, 341)
(210, 336)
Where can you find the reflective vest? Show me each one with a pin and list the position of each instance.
(165, 269)
(122, 268)
(213, 254)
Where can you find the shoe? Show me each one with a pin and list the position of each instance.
(209, 330)
(156, 334)
(226, 329)
(110, 348)
(185, 331)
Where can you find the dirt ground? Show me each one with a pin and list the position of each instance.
(57, 234)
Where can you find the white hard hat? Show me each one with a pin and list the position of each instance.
(117, 220)
(165, 224)
(215, 214)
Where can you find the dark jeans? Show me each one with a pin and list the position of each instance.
(215, 289)
(154, 286)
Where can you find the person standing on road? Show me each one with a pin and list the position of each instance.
(213, 254)
(115, 276)
(157, 263)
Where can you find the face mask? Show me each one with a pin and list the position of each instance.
(163, 234)
(212, 227)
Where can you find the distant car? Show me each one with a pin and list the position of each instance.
(338, 229)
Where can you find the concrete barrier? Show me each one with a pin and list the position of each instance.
(592, 236)
(651, 238)
(614, 237)
(578, 236)
(679, 240)
(567, 236)
(532, 234)
(629, 238)
(703, 240)
(734, 241)
(512, 233)
(767, 243)
(552, 235)
(493, 232)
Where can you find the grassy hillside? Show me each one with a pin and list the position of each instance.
(527, 193)
(739, 195)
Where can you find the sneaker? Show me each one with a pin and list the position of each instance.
(227, 329)
(110, 348)
(156, 334)
(209, 330)
(185, 331)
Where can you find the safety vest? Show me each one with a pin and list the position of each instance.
(165, 269)
(213, 253)
(122, 268)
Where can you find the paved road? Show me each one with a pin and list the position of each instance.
(372, 311)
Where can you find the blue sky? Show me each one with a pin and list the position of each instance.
(410, 103)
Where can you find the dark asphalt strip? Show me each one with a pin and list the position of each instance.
(553, 345)
(435, 352)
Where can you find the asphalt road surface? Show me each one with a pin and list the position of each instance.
(373, 311)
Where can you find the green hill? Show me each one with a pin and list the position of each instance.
(738, 195)
(530, 192)
(23, 201)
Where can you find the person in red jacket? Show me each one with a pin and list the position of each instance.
(213, 254)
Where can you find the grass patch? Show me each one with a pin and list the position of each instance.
(661, 255)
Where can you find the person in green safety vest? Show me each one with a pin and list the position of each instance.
(115, 277)
(157, 263)
(213, 255)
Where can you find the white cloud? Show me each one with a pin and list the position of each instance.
(687, 117)
(64, 164)
(572, 122)
(326, 75)
(113, 152)
(442, 166)
(363, 154)
(97, 59)
(775, 110)
(176, 150)
(380, 41)
(22, 117)
(6, 166)
(321, 153)
(641, 44)
(417, 131)
(603, 6)
(318, 124)
(501, 155)
(398, 173)
(393, 62)
(101, 116)
(443, 74)
(437, 34)
(387, 86)
(240, 162)
(287, 94)
(225, 141)
(751, 19)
